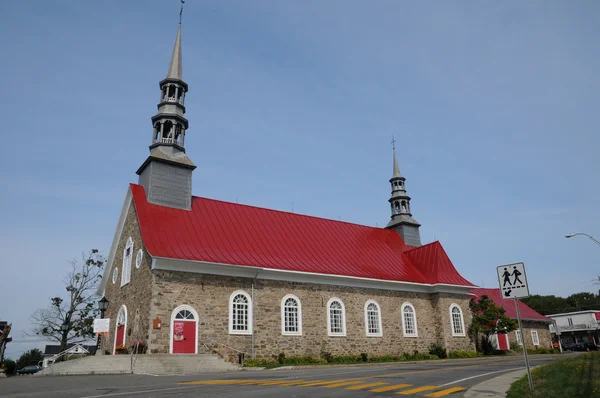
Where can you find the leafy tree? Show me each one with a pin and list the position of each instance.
(31, 357)
(547, 305)
(9, 366)
(77, 311)
(488, 318)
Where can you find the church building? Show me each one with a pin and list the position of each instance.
(189, 274)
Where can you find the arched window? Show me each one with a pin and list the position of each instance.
(336, 317)
(240, 313)
(409, 320)
(291, 316)
(456, 319)
(372, 318)
(127, 256)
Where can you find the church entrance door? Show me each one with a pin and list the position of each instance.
(502, 341)
(184, 335)
(120, 328)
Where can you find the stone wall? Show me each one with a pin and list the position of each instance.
(209, 295)
(136, 295)
(544, 337)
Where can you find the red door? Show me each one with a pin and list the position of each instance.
(184, 337)
(120, 336)
(502, 341)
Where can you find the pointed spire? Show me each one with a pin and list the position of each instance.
(396, 168)
(175, 65)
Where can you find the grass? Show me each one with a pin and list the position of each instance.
(573, 377)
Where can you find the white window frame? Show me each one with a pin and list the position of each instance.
(535, 338)
(299, 307)
(337, 334)
(115, 275)
(519, 337)
(249, 329)
(139, 257)
(405, 334)
(173, 320)
(462, 321)
(379, 333)
(126, 269)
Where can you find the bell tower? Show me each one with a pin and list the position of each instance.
(166, 175)
(402, 220)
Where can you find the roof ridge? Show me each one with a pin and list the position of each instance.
(425, 245)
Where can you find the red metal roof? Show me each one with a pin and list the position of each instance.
(229, 233)
(509, 305)
(433, 262)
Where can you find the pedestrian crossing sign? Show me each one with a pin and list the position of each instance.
(513, 281)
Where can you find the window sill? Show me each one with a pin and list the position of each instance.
(375, 335)
(238, 332)
(336, 334)
(291, 333)
(411, 336)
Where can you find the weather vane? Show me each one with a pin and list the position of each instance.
(181, 11)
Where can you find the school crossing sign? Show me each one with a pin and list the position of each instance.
(513, 281)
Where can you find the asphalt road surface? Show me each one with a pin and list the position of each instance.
(432, 379)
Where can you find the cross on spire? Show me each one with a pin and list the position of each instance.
(181, 11)
(393, 143)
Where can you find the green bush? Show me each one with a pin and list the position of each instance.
(327, 356)
(303, 360)
(542, 350)
(516, 347)
(281, 358)
(266, 363)
(9, 366)
(437, 350)
(464, 354)
(364, 357)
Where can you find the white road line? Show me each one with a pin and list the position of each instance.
(481, 375)
(116, 394)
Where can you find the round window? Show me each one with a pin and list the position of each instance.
(115, 275)
(138, 258)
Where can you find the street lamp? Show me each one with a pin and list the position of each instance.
(102, 306)
(581, 233)
(64, 328)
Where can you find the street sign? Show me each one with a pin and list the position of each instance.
(513, 281)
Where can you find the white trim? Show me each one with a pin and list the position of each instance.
(173, 315)
(115, 275)
(462, 321)
(249, 331)
(283, 300)
(377, 334)
(126, 268)
(416, 333)
(116, 238)
(537, 337)
(519, 337)
(329, 333)
(139, 257)
(203, 267)
(124, 309)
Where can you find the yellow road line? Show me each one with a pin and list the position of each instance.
(444, 392)
(390, 388)
(220, 382)
(291, 383)
(363, 386)
(346, 383)
(418, 389)
(320, 383)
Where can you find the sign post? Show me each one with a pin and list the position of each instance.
(513, 285)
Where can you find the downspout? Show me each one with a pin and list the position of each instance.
(253, 281)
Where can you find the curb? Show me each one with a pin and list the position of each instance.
(496, 387)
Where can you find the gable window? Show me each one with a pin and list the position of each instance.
(291, 316)
(570, 321)
(115, 275)
(535, 338)
(127, 255)
(240, 313)
(373, 318)
(139, 258)
(409, 320)
(336, 317)
(519, 339)
(456, 318)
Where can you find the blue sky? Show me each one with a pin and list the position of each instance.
(494, 107)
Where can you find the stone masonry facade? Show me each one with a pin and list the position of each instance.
(209, 295)
(136, 295)
(544, 336)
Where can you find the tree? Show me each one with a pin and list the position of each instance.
(78, 310)
(31, 357)
(488, 319)
(547, 305)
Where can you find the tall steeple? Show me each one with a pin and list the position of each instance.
(166, 175)
(402, 220)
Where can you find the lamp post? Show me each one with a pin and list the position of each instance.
(102, 306)
(581, 233)
(64, 328)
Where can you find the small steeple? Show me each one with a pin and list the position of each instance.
(166, 175)
(402, 220)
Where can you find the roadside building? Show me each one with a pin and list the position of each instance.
(535, 325)
(576, 327)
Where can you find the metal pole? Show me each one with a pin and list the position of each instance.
(253, 318)
(524, 345)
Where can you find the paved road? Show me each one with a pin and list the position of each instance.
(432, 379)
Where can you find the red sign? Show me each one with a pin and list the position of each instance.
(597, 315)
